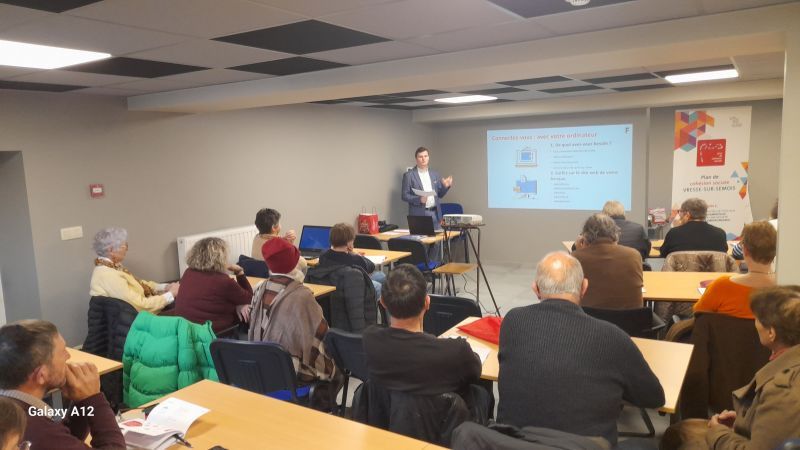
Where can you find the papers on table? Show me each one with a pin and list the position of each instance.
(397, 232)
(169, 420)
(421, 193)
(377, 259)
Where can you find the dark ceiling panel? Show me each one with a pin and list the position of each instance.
(417, 93)
(494, 91)
(55, 6)
(541, 80)
(536, 8)
(289, 66)
(132, 67)
(621, 78)
(589, 87)
(641, 88)
(308, 36)
(26, 86)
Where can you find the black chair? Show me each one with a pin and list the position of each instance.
(641, 322)
(347, 351)
(260, 367)
(447, 312)
(367, 241)
(456, 208)
(419, 256)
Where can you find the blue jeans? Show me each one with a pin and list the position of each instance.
(378, 278)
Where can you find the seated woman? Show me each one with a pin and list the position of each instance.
(111, 279)
(12, 425)
(765, 411)
(730, 294)
(207, 292)
(268, 222)
(284, 311)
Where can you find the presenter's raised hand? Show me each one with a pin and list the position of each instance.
(447, 182)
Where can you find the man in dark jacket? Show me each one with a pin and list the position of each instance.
(694, 233)
(631, 234)
(565, 370)
(33, 357)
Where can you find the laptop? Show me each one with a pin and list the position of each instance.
(314, 240)
(423, 226)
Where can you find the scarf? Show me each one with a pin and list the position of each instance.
(148, 291)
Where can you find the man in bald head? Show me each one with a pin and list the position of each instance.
(560, 368)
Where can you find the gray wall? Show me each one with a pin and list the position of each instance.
(519, 235)
(168, 175)
(525, 235)
(17, 266)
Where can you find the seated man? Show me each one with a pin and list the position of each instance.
(285, 312)
(343, 237)
(694, 233)
(631, 234)
(565, 370)
(268, 222)
(33, 357)
(404, 358)
(614, 272)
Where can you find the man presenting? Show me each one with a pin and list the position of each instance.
(423, 179)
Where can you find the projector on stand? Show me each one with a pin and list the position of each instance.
(461, 220)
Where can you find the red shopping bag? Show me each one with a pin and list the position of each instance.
(368, 223)
(486, 328)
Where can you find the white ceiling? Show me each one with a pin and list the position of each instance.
(178, 31)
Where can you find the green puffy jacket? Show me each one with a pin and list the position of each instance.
(164, 354)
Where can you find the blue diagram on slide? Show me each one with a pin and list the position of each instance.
(574, 168)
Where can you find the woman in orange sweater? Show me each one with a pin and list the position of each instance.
(730, 294)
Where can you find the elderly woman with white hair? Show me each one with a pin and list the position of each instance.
(111, 279)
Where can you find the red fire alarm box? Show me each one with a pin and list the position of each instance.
(97, 190)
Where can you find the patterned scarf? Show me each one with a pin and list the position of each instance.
(148, 291)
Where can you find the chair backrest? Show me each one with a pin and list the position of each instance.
(636, 322)
(446, 312)
(367, 241)
(260, 367)
(431, 418)
(699, 261)
(452, 208)
(347, 351)
(419, 255)
(727, 354)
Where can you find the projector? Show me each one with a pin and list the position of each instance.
(460, 220)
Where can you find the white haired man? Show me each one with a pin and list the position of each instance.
(564, 370)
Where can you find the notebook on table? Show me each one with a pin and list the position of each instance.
(314, 239)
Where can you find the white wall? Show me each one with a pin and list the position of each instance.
(168, 175)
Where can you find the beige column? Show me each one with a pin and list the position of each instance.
(788, 264)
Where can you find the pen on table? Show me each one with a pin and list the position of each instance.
(183, 441)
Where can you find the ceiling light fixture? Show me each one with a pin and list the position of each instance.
(578, 2)
(702, 76)
(21, 54)
(466, 99)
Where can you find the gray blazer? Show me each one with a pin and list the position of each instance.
(411, 181)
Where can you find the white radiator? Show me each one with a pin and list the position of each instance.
(240, 242)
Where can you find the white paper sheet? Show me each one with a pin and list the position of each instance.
(176, 414)
(425, 193)
(377, 260)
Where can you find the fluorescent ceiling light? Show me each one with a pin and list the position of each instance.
(702, 76)
(466, 99)
(20, 54)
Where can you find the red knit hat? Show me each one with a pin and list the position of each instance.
(280, 255)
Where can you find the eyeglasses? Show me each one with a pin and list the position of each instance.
(24, 445)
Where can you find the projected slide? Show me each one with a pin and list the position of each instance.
(560, 168)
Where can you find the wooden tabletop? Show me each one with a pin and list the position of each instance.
(455, 268)
(104, 365)
(391, 256)
(667, 360)
(676, 286)
(242, 420)
(318, 289)
(426, 240)
(655, 248)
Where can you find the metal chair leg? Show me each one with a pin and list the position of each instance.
(651, 430)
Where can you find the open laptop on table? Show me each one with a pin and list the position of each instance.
(422, 226)
(314, 240)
